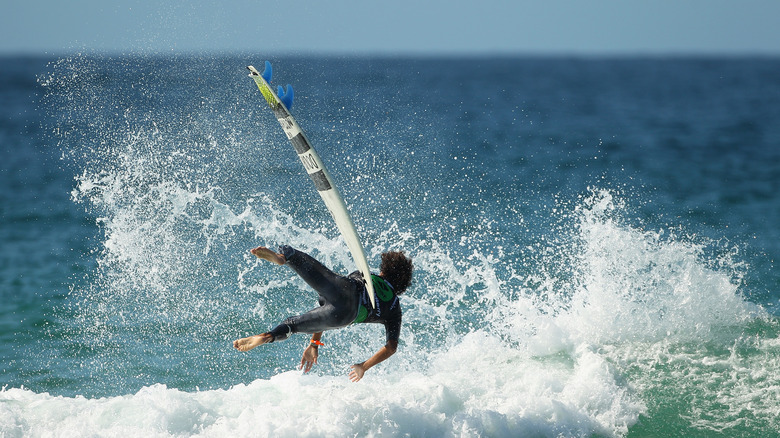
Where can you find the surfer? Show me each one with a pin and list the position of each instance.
(343, 301)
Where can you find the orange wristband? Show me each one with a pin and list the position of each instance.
(317, 342)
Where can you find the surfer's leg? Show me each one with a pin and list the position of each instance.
(336, 289)
(327, 317)
(248, 343)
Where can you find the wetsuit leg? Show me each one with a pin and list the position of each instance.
(339, 297)
(314, 321)
(336, 289)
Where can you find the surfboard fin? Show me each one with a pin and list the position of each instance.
(267, 72)
(286, 98)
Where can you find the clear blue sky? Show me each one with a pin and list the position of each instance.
(578, 27)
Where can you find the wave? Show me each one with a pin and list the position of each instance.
(574, 352)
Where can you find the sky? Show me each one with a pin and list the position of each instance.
(398, 27)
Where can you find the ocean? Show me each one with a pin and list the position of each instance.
(595, 243)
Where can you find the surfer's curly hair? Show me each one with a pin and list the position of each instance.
(397, 270)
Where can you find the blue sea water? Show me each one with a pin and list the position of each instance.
(595, 243)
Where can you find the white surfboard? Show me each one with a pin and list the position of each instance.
(316, 169)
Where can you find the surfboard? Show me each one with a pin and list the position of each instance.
(280, 104)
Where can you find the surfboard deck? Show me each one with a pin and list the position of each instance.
(315, 168)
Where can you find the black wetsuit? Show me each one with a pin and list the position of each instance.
(343, 300)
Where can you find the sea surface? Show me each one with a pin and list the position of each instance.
(595, 241)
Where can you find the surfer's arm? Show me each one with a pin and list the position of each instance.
(311, 353)
(360, 368)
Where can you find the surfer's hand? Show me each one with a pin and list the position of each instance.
(357, 372)
(309, 358)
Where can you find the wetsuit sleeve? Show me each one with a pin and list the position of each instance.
(393, 329)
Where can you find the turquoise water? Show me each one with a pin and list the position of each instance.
(595, 244)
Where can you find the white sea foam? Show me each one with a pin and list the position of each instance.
(628, 285)
(478, 387)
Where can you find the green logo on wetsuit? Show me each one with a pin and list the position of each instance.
(361, 316)
(383, 291)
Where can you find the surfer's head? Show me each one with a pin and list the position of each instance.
(397, 270)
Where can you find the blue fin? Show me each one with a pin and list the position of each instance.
(286, 98)
(268, 72)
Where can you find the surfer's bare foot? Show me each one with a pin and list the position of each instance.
(246, 344)
(266, 254)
